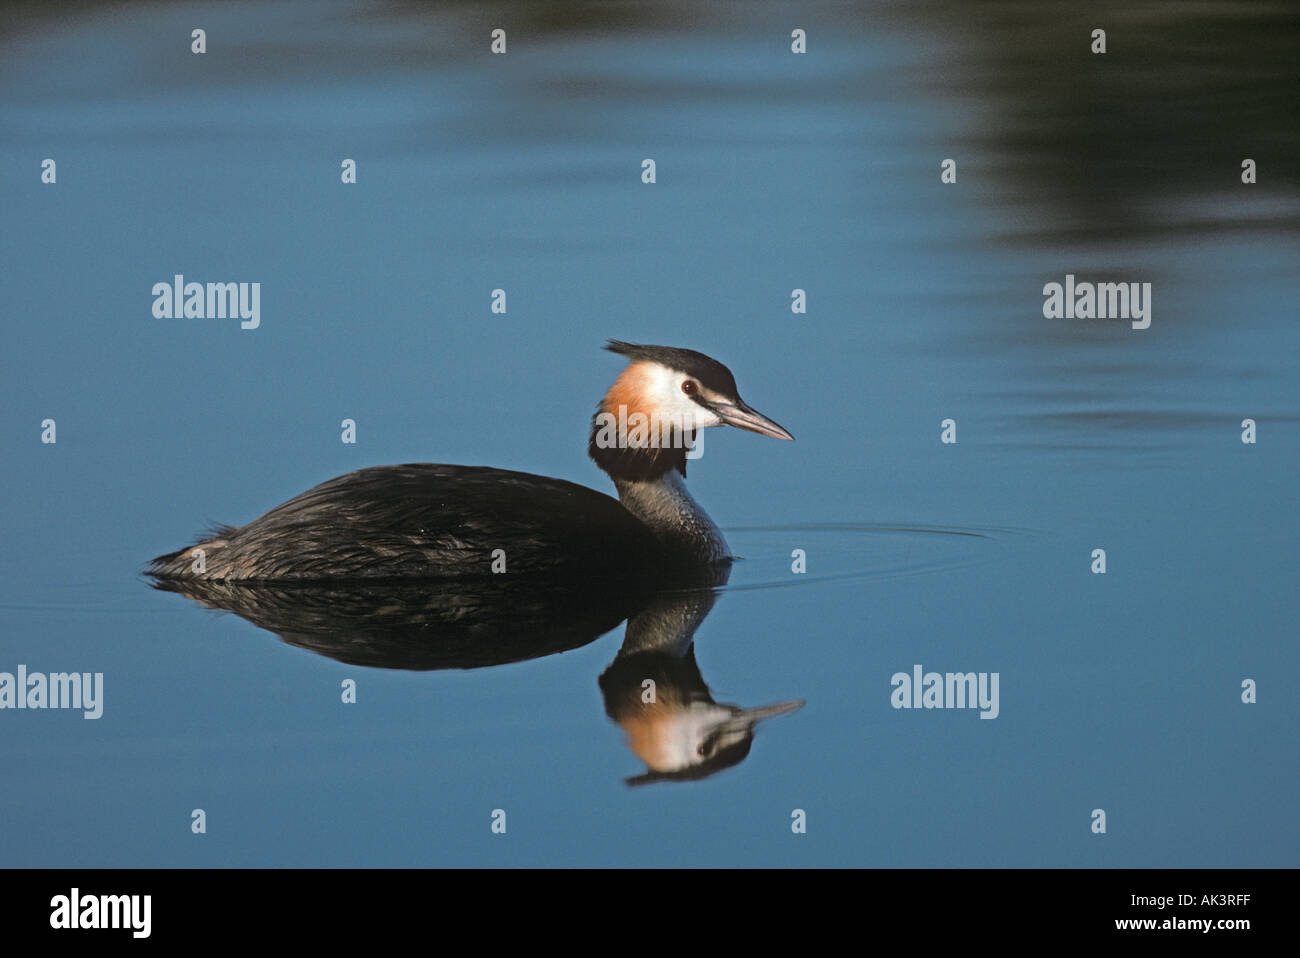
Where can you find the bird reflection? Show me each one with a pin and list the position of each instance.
(653, 689)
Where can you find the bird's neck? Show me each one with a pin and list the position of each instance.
(648, 467)
(676, 519)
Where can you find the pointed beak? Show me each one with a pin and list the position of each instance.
(741, 416)
(746, 719)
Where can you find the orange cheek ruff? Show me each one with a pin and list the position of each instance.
(631, 390)
(650, 737)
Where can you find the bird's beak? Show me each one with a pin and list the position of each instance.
(738, 414)
(746, 719)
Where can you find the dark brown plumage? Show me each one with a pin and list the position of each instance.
(426, 520)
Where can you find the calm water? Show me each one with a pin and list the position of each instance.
(775, 171)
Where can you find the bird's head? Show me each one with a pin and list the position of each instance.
(696, 740)
(649, 417)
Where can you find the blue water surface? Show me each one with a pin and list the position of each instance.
(775, 172)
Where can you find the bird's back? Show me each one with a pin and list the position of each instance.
(427, 520)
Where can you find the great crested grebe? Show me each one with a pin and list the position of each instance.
(431, 520)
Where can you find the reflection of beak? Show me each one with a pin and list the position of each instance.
(742, 417)
(746, 719)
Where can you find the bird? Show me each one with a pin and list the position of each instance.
(437, 521)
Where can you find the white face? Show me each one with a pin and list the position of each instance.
(686, 737)
(666, 391)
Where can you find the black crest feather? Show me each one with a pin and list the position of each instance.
(707, 370)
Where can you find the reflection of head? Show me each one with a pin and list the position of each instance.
(682, 734)
(725, 758)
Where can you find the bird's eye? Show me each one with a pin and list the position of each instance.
(689, 387)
